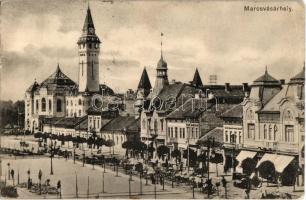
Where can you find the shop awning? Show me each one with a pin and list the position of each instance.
(245, 154)
(282, 162)
(267, 157)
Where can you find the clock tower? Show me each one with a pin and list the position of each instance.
(89, 50)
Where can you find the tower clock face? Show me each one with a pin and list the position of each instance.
(91, 30)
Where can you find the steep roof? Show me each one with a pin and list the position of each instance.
(123, 123)
(88, 23)
(216, 133)
(33, 87)
(58, 79)
(144, 82)
(266, 79)
(299, 78)
(192, 108)
(88, 34)
(197, 81)
(234, 112)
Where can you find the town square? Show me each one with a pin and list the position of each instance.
(127, 100)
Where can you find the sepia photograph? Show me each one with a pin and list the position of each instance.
(152, 99)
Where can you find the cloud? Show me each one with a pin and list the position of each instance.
(216, 37)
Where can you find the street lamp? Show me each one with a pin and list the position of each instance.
(9, 170)
(51, 156)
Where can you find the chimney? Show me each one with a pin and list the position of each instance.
(173, 81)
(227, 87)
(282, 81)
(245, 87)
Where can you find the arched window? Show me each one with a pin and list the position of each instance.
(43, 105)
(50, 105)
(265, 132)
(144, 123)
(275, 132)
(155, 125)
(37, 106)
(270, 132)
(59, 105)
(80, 102)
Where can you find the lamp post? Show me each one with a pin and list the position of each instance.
(51, 157)
(103, 182)
(9, 171)
(140, 177)
(130, 179)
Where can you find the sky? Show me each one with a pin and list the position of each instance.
(217, 37)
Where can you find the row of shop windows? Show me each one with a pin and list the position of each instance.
(94, 122)
(146, 123)
(175, 132)
(231, 137)
(271, 133)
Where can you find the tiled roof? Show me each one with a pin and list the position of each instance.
(192, 108)
(123, 123)
(216, 133)
(235, 112)
(58, 79)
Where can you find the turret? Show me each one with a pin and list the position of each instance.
(89, 50)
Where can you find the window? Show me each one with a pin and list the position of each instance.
(270, 132)
(192, 132)
(144, 123)
(37, 106)
(196, 133)
(265, 132)
(251, 131)
(180, 132)
(71, 102)
(80, 113)
(275, 132)
(288, 116)
(155, 125)
(289, 131)
(172, 132)
(168, 132)
(80, 102)
(161, 124)
(43, 105)
(59, 105)
(226, 136)
(184, 133)
(188, 132)
(50, 105)
(175, 132)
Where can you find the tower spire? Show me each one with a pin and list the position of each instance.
(161, 44)
(266, 71)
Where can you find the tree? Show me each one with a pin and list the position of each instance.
(127, 145)
(109, 143)
(162, 151)
(267, 170)
(176, 154)
(216, 158)
(248, 165)
(38, 135)
(192, 156)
